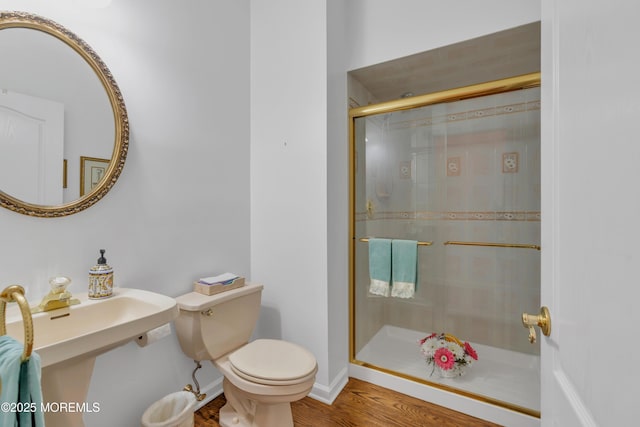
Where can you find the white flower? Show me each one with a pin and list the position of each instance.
(430, 346)
(463, 359)
(454, 348)
(468, 359)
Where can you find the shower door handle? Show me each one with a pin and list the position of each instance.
(543, 320)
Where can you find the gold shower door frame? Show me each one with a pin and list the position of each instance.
(482, 89)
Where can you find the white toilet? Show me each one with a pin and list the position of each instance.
(261, 378)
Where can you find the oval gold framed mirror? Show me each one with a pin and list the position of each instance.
(64, 130)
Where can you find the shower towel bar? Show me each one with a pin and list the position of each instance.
(366, 239)
(497, 245)
(490, 244)
(15, 293)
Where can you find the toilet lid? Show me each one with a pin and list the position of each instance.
(272, 360)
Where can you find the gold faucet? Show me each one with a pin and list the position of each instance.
(58, 296)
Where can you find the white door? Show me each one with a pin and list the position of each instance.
(591, 212)
(31, 148)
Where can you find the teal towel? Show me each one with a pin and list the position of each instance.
(404, 267)
(380, 266)
(20, 385)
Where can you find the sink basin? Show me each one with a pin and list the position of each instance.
(94, 326)
(69, 339)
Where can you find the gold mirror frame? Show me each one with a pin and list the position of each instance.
(121, 143)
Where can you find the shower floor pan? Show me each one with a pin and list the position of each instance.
(503, 375)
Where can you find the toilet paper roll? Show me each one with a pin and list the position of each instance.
(154, 335)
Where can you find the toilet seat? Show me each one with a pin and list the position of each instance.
(273, 362)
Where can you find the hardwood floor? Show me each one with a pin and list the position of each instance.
(360, 404)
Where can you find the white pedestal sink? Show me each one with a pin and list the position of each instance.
(69, 339)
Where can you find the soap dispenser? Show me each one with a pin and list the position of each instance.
(101, 279)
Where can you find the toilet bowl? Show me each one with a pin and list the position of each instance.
(261, 378)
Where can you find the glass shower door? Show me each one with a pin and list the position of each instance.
(463, 179)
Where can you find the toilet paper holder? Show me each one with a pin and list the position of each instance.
(154, 335)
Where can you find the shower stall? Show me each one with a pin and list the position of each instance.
(458, 171)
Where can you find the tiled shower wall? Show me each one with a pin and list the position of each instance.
(461, 171)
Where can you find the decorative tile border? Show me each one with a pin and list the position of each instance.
(530, 216)
(468, 115)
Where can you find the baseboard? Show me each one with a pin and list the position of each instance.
(319, 392)
(327, 394)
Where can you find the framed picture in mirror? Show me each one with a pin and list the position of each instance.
(92, 171)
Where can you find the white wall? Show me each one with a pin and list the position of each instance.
(289, 173)
(381, 30)
(180, 209)
(337, 193)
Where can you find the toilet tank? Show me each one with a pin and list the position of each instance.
(210, 326)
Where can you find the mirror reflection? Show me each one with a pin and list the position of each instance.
(63, 124)
(49, 97)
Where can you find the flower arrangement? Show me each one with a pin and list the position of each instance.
(447, 353)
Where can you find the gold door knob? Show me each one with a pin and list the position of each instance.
(543, 320)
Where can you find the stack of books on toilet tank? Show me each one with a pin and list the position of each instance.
(216, 284)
